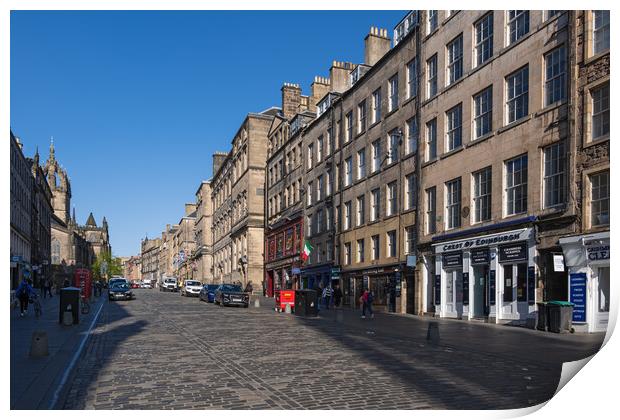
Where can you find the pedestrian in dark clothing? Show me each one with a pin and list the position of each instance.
(23, 293)
(327, 295)
(366, 301)
(337, 296)
(47, 288)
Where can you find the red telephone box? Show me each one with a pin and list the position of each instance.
(83, 280)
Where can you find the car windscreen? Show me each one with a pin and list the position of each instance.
(121, 285)
(192, 283)
(231, 288)
(211, 287)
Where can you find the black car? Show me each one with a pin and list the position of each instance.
(120, 290)
(207, 293)
(231, 294)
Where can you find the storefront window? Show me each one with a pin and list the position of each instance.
(508, 277)
(603, 289)
(522, 282)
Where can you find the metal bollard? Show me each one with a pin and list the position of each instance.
(39, 344)
(432, 334)
(257, 303)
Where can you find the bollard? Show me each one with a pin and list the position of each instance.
(432, 334)
(67, 316)
(39, 344)
(257, 303)
(288, 308)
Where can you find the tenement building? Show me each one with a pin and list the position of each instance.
(184, 244)
(498, 158)
(203, 254)
(149, 258)
(166, 253)
(284, 207)
(587, 253)
(238, 200)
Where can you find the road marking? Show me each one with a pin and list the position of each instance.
(69, 368)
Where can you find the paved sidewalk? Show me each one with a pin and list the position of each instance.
(34, 380)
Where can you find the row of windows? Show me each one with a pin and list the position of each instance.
(281, 201)
(233, 171)
(375, 246)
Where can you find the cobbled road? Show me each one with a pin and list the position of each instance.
(164, 351)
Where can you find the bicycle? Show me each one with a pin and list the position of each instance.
(36, 304)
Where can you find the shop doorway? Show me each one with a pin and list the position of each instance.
(454, 292)
(481, 291)
(602, 299)
(514, 290)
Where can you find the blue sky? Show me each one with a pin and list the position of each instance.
(137, 102)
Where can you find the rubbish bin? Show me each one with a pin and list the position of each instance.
(70, 296)
(541, 318)
(306, 302)
(560, 316)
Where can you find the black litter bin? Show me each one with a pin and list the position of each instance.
(70, 296)
(542, 316)
(306, 303)
(560, 316)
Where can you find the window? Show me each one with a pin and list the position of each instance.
(309, 194)
(517, 95)
(375, 197)
(392, 199)
(431, 139)
(319, 188)
(555, 180)
(319, 149)
(431, 74)
(393, 152)
(361, 164)
(330, 141)
(454, 118)
(483, 112)
(391, 243)
(518, 25)
(551, 13)
(328, 182)
(393, 92)
(347, 253)
(319, 221)
(516, 185)
(599, 207)
(318, 253)
(412, 136)
(360, 250)
(555, 76)
(375, 247)
(432, 20)
(600, 111)
(483, 48)
(376, 106)
(338, 217)
(410, 239)
(329, 218)
(310, 156)
(410, 192)
(309, 224)
(361, 117)
(347, 215)
(453, 203)
(412, 78)
(360, 210)
(600, 31)
(349, 126)
(376, 155)
(482, 195)
(348, 164)
(455, 59)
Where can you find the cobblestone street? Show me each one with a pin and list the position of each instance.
(163, 351)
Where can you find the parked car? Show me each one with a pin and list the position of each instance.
(114, 280)
(231, 294)
(169, 284)
(120, 290)
(135, 286)
(191, 288)
(207, 293)
(146, 284)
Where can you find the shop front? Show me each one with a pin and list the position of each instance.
(317, 275)
(489, 277)
(282, 262)
(587, 258)
(383, 282)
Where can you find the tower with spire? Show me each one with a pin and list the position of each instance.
(59, 184)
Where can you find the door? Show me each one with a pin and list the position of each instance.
(602, 298)
(514, 301)
(481, 292)
(454, 293)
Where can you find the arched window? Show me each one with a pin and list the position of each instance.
(56, 251)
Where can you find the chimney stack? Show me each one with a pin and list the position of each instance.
(319, 88)
(189, 208)
(218, 159)
(291, 100)
(376, 45)
(339, 75)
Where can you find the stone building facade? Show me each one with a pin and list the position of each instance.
(203, 254)
(98, 237)
(184, 244)
(238, 200)
(132, 268)
(149, 257)
(166, 252)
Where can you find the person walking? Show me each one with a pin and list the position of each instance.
(47, 287)
(337, 296)
(23, 293)
(327, 295)
(366, 301)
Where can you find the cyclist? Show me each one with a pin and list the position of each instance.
(23, 293)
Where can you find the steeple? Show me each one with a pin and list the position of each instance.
(91, 220)
(36, 157)
(52, 158)
(73, 218)
(104, 223)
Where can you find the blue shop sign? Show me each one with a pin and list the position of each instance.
(578, 283)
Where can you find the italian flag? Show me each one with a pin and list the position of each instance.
(305, 253)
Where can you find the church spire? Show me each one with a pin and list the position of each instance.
(73, 217)
(91, 220)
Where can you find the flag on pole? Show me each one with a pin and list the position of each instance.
(305, 253)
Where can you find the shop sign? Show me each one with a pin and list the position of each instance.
(492, 287)
(597, 253)
(365, 282)
(411, 260)
(452, 259)
(578, 296)
(484, 241)
(531, 285)
(296, 270)
(437, 289)
(479, 256)
(513, 252)
(16, 258)
(558, 263)
(465, 288)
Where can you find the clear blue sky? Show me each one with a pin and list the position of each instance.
(137, 102)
